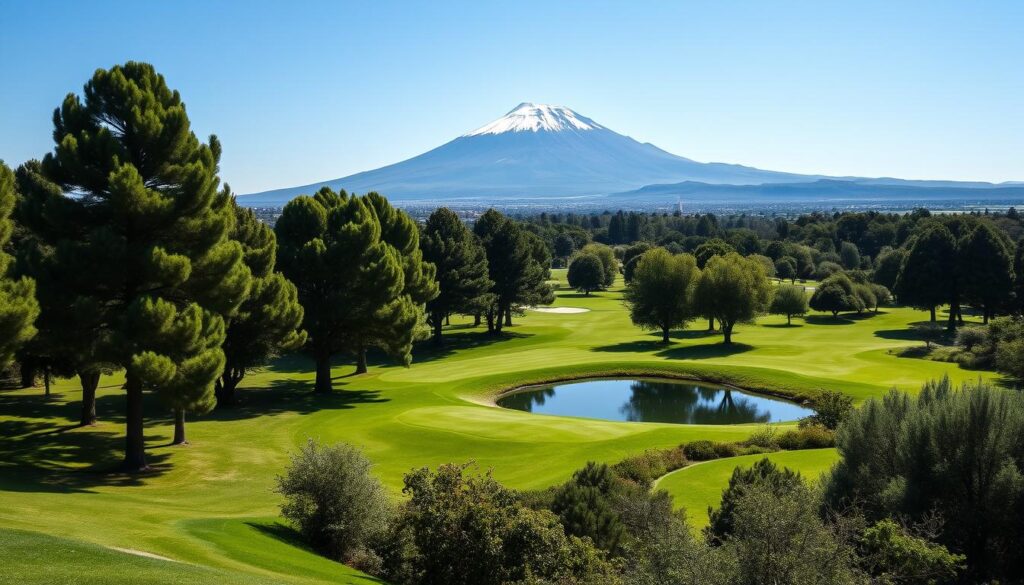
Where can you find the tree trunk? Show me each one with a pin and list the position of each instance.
(932, 309)
(448, 319)
(727, 333)
(664, 335)
(90, 381)
(361, 361)
(508, 317)
(437, 329)
(226, 385)
(28, 374)
(984, 316)
(46, 381)
(179, 427)
(323, 375)
(954, 308)
(490, 321)
(789, 320)
(476, 319)
(711, 323)
(135, 442)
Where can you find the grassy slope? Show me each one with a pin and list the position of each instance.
(699, 486)
(212, 504)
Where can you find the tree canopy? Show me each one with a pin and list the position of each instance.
(661, 294)
(732, 289)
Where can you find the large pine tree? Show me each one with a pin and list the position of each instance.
(267, 323)
(330, 246)
(461, 267)
(18, 306)
(146, 251)
(394, 326)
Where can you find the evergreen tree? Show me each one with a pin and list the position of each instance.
(732, 289)
(564, 246)
(396, 325)
(267, 322)
(661, 293)
(146, 251)
(18, 305)
(330, 246)
(1018, 272)
(764, 474)
(65, 344)
(926, 277)
(461, 263)
(617, 229)
(986, 264)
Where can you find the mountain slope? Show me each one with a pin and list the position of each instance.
(534, 151)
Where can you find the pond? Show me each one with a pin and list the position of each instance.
(654, 400)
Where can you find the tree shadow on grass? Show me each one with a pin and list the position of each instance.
(426, 351)
(704, 351)
(292, 396)
(782, 325)
(289, 536)
(841, 319)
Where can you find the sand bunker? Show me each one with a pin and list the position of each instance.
(562, 310)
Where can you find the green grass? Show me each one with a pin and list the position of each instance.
(699, 486)
(198, 504)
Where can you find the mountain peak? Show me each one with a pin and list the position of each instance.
(530, 117)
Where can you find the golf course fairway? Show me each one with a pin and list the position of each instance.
(207, 512)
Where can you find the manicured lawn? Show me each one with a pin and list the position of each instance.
(696, 487)
(211, 504)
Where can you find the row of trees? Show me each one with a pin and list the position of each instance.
(669, 290)
(130, 256)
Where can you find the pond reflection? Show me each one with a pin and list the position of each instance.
(649, 400)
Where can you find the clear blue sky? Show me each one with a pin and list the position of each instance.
(303, 91)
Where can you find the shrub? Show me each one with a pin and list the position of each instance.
(835, 294)
(892, 555)
(584, 507)
(763, 473)
(830, 408)
(332, 498)
(807, 437)
(765, 437)
(704, 450)
(644, 469)
(969, 337)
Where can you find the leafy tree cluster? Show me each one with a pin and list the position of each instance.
(952, 453)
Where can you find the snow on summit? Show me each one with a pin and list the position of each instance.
(529, 117)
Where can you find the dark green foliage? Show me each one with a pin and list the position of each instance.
(830, 409)
(953, 452)
(333, 499)
(732, 289)
(789, 300)
(584, 506)
(786, 269)
(347, 277)
(515, 267)
(586, 273)
(986, 262)
(608, 261)
(661, 294)
(710, 249)
(764, 474)
(849, 256)
(564, 246)
(461, 266)
(705, 450)
(630, 258)
(777, 536)
(395, 325)
(808, 436)
(835, 294)
(888, 266)
(892, 555)
(926, 277)
(267, 323)
(143, 245)
(18, 305)
(929, 332)
(470, 530)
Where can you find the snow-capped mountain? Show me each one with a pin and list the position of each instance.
(538, 151)
(534, 150)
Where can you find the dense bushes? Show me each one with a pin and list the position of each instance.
(954, 453)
